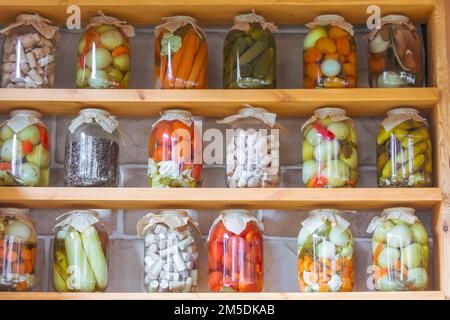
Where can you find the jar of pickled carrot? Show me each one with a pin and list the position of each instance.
(329, 54)
(325, 253)
(235, 247)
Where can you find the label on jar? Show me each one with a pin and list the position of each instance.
(235, 222)
(20, 121)
(319, 218)
(80, 220)
(173, 221)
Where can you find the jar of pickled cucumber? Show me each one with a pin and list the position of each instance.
(249, 54)
(404, 150)
(325, 253)
(104, 54)
(171, 251)
(235, 247)
(181, 54)
(17, 250)
(396, 54)
(80, 260)
(330, 150)
(329, 54)
(29, 52)
(24, 150)
(400, 251)
(253, 149)
(174, 151)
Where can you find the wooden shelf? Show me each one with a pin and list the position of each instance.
(145, 12)
(420, 295)
(218, 198)
(217, 102)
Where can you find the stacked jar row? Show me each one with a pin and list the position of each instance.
(395, 59)
(325, 257)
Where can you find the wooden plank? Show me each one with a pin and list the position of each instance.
(214, 198)
(145, 12)
(217, 102)
(418, 295)
(438, 67)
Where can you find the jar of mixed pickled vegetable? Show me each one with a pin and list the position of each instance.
(24, 150)
(104, 54)
(330, 150)
(174, 151)
(329, 54)
(29, 52)
(181, 55)
(325, 253)
(249, 54)
(92, 150)
(17, 250)
(235, 247)
(404, 150)
(253, 149)
(80, 261)
(171, 251)
(396, 54)
(400, 251)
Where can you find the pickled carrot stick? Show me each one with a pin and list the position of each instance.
(191, 43)
(198, 66)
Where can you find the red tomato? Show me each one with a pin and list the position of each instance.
(215, 281)
(5, 166)
(217, 234)
(197, 171)
(27, 147)
(231, 281)
(164, 133)
(245, 286)
(162, 154)
(215, 253)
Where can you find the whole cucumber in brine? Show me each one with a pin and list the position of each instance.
(95, 256)
(254, 51)
(263, 63)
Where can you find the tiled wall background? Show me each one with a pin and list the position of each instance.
(281, 227)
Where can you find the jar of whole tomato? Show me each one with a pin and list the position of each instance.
(17, 250)
(235, 246)
(329, 54)
(174, 151)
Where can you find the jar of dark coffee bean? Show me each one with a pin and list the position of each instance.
(92, 150)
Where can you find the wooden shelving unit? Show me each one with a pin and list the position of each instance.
(292, 102)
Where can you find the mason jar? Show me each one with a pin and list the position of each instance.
(171, 251)
(80, 252)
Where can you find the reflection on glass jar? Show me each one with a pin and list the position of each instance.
(329, 54)
(396, 54)
(104, 54)
(330, 150)
(249, 54)
(404, 150)
(17, 250)
(400, 251)
(181, 54)
(24, 150)
(80, 261)
(325, 253)
(171, 251)
(29, 53)
(235, 247)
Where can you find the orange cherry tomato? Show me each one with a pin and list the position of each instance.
(162, 154)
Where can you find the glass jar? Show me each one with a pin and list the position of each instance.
(249, 54)
(92, 150)
(175, 151)
(330, 150)
(29, 52)
(18, 243)
(329, 54)
(80, 252)
(400, 251)
(396, 54)
(404, 150)
(24, 150)
(253, 149)
(104, 54)
(325, 253)
(235, 247)
(171, 251)
(181, 54)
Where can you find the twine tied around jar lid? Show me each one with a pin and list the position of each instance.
(242, 22)
(113, 21)
(174, 219)
(399, 115)
(175, 114)
(41, 24)
(398, 213)
(249, 111)
(90, 115)
(22, 118)
(335, 114)
(396, 19)
(80, 220)
(319, 217)
(333, 20)
(174, 23)
(235, 221)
